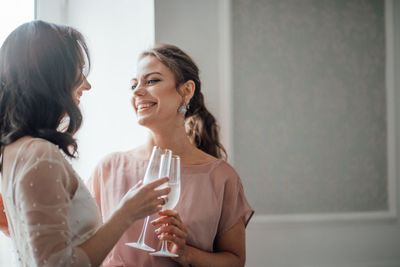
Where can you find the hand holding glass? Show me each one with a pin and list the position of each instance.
(173, 197)
(158, 167)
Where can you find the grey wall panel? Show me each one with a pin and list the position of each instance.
(309, 105)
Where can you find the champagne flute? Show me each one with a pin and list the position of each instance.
(158, 167)
(173, 197)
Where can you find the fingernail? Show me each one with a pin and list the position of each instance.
(157, 230)
(159, 236)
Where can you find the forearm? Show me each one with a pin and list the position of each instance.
(101, 243)
(198, 258)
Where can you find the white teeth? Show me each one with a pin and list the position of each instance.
(142, 106)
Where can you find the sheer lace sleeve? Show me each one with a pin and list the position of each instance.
(43, 189)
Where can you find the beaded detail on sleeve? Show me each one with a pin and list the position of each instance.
(40, 201)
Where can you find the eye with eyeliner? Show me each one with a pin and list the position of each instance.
(148, 82)
(152, 81)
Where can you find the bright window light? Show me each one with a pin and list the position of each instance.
(14, 13)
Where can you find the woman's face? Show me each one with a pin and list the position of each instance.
(78, 91)
(155, 97)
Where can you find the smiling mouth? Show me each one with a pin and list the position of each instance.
(143, 107)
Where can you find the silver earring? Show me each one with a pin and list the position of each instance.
(184, 108)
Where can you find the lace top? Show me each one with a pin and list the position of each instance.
(49, 209)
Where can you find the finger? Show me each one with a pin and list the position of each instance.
(167, 220)
(180, 242)
(139, 184)
(157, 183)
(136, 186)
(156, 208)
(170, 213)
(162, 200)
(162, 192)
(157, 202)
(172, 230)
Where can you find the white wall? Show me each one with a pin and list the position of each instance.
(51, 10)
(116, 34)
(196, 27)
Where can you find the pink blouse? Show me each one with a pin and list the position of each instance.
(211, 202)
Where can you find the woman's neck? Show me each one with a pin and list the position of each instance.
(176, 140)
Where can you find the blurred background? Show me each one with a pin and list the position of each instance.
(307, 97)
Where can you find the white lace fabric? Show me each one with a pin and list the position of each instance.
(49, 209)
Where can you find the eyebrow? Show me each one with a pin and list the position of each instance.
(147, 74)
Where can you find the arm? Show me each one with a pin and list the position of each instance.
(138, 202)
(45, 194)
(229, 243)
(230, 248)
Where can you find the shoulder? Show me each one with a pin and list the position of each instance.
(115, 160)
(110, 159)
(38, 149)
(122, 156)
(222, 174)
(41, 160)
(223, 169)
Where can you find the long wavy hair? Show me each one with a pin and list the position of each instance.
(40, 64)
(200, 124)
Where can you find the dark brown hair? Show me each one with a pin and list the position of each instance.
(201, 125)
(40, 64)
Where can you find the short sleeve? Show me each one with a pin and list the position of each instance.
(234, 204)
(43, 197)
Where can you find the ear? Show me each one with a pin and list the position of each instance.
(187, 90)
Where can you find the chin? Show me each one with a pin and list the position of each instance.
(143, 121)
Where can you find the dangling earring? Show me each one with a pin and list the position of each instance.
(184, 108)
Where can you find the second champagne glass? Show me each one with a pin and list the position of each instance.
(158, 167)
(173, 197)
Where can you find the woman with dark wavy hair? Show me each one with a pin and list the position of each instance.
(208, 226)
(52, 218)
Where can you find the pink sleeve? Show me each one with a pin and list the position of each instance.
(234, 205)
(44, 199)
(94, 187)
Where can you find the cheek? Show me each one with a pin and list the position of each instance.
(133, 103)
(170, 103)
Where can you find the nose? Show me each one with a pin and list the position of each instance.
(139, 91)
(85, 84)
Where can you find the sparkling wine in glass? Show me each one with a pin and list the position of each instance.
(158, 167)
(173, 197)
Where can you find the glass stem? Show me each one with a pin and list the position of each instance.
(144, 229)
(164, 246)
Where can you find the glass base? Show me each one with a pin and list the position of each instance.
(140, 246)
(164, 254)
